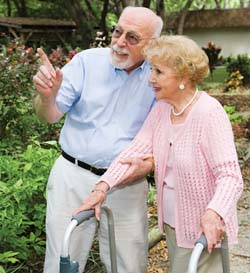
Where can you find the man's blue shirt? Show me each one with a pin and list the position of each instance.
(105, 106)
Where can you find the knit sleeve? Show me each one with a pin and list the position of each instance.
(222, 158)
(140, 147)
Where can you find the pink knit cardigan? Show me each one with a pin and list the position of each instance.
(205, 166)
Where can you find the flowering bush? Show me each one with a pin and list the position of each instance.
(234, 82)
(240, 63)
(17, 65)
(212, 52)
(18, 122)
(58, 58)
(72, 53)
(101, 40)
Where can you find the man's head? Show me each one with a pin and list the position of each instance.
(136, 26)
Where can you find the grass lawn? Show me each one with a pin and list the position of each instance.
(217, 80)
(219, 75)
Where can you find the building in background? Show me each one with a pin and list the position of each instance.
(228, 28)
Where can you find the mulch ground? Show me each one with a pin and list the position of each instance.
(158, 258)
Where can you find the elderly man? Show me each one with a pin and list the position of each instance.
(105, 95)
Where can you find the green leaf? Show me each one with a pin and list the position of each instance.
(27, 167)
(8, 256)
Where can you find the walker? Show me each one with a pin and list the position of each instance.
(68, 266)
(200, 245)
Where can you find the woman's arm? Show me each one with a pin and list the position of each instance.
(138, 168)
(222, 158)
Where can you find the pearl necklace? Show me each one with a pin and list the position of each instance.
(186, 106)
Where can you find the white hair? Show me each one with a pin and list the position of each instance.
(157, 22)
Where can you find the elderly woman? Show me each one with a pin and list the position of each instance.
(196, 168)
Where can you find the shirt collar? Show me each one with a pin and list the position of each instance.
(141, 67)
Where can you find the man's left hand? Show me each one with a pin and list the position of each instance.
(93, 201)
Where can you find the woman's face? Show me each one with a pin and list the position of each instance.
(164, 82)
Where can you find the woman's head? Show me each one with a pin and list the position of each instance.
(181, 54)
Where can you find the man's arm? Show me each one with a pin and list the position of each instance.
(47, 82)
(46, 109)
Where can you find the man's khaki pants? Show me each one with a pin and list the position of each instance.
(67, 187)
(179, 257)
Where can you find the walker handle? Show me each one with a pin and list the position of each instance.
(202, 240)
(200, 244)
(83, 216)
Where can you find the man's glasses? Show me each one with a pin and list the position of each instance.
(131, 37)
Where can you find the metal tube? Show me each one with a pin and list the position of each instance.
(225, 255)
(65, 245)
(112, 246)
(196, 253)
(200, 244)
(194, 259)
(75, 221)
(67, 266)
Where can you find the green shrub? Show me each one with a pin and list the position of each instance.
(18, 122)
(17, 65)
(22, 205)
(233, 115)
(151, 195)
(242, 64)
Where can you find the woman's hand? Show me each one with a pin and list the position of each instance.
(138, 168)
(213, 227)
(94, 200)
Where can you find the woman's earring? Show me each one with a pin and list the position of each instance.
(181, 86)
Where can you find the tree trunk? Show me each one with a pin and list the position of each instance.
(218, 4)
(146, 3)
(103, 25)
(80, 17)
(8, 7)
(3, 130)
(117, 7)
(21, 8)
(160, 10)
(244, 4)
(183, 15)
(127, 3)
(154, 237)
(90, 8)
(24, 11)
